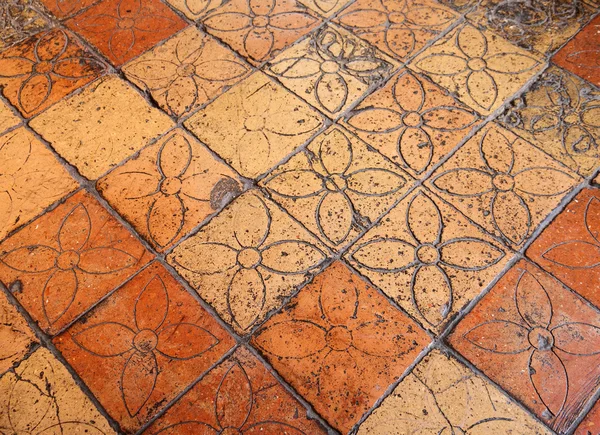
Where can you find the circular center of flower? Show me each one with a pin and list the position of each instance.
(126, 23)
(335, 183)
(260, 21)
(249, 258)
(572, 118)
(396, 17)
(503, 182)
(254, 123)
(170, 186)
(145, 340)
(476, 64)
(186, 70)
(411, 119)
(339, 338)
(67, 260)
(541, 339)
(43, 67)
(230, 431)
(427, 254)
(6, 182)
(330, 66)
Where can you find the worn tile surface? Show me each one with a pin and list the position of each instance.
(19, 19)
(65, 8)
(16, 336)
(8, 117)
(143, 345)
(591, 424)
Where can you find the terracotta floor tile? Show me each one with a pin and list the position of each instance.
(42, 397)
(541, 25)
(591, 423)
(31, 179)
(239, 396)
(40, 71)
(340, 344)
(259, 29)
(412, 121)
(248, 259)
(123, 29)
(143, 345)
(462, 6)
(326, 8)
(538, 341)
(186, 71)
(196, 9)
(559, 115)
(428, 258)
(503, 183)
(68, 259)
(8, 119)
(315, 70)
(255, 125)
(442, 396)
(171, 187)
(19, 19)
(16, 336)
(481, 68)
(569, 247)
(580, 55)
(90, 131)
(66, 8)
(399, 28)
(337, 187)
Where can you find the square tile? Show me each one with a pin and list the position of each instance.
(411, 121)
(591, 423)
(399, 28)
(569, 247)
(442, 396)
(186, 71)
(325, 8)
(337, 187)
(581, 53)
(16, 336)
(171, 187)
(31, 179)
(429, 258)
(196, 9)
(19, 19)
(559, 114)
(143, 345)
(340, 344)
(259, 29)
(540, 25)
(247, 259)
(124, 29)
(42, 397)
(315, 69)
(482, 69)
(255, 125)
(8, 118)
(538, 341)
(42, 70)
(68, 259)
(90, 131)
(66, 8)
(503, 183)
(237, 396)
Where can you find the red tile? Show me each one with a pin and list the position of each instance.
(68, 259)
(536, 339)
(591, 423)
(65, 8)
(341, 345)
(239, 396)
(143, 345)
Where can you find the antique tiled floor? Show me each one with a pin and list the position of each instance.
(300, 217)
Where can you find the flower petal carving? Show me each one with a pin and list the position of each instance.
(588, 254)
(291, 256)
(75, 229)
(302, 339)
(533, 302)
(335, 217)
(31, 259)
(58, 294)
(218, 258)
(138, 381)
(577, 338)
(183, 341)
(246, 297)
(385, 255)
(549, 378)
(105, 260)
(106, 339)
(422, 209)
(466, 182)
(469, 253)
(296, 183)
(152, 305)
(499, 336)
(431, 292)
(234, 398)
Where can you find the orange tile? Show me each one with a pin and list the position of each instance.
(340, 344)
(68, 259)
(591, 423)
(142, 346)
(124, 29)
(66, 8)
(40, 71)
(326, 8)
(538, 341)
(171, 187)
(16, 336)
(239, 396)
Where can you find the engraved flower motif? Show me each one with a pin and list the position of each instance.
(414, 125)
(76, 256)
(151, 336)
(537, 334)
(250, 258)
(509, 189)
(338, 187)
(431, 257)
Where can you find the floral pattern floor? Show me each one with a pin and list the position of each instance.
(300, 217)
